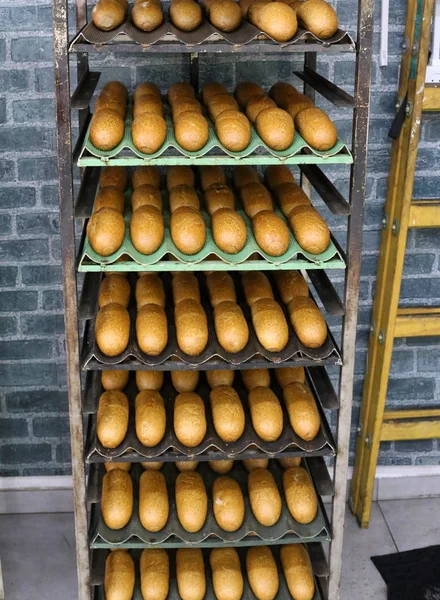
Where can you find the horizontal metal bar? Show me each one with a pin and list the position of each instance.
(325, 188)
(89, 295)
(327, 293)
(81, 137)
(326, 88)
(424, 413)
(424, 213)
(431, 98)
(419, 429)
(424, 323)
(83, 94)
(320, 476)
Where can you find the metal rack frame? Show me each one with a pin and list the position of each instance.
(80, 100)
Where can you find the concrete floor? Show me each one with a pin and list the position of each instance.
(38, 556)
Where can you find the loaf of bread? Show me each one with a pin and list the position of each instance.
(124, 466)
(191, 501)
(287, 375)
(233, 130)
(187, 465)
(152, 465)
(245, 90)
(264, 497)
(262, 572)
(255, 463)
(319, 17)
(149, 132)
(255, 198)
(228, 230)
(227, 503)
(112, 418)
(185, 381)
(146, 175)
(300, 495)
(117, 498)
(106, 127)
(105, 231)
(155, 574)
(119, 578)
(227, 579)
(227, 413)
(218, 196)
(151, 329)
(275, 126)
(150, 417)
(276, 175)
(303, 412)
(253, 378)
(149, 380)
(289, 462)
(112, 329)
(153, 501)
(147, 15)
(222, 377)
(231, 327)
(317, 129)
(186, 15)
(114, 380)
(266, 413)
(298, 571)
(309, 228)
(190, 574)
(221, 466)
(291, 284)
(307, 321)
(146, 195)
(183, 195)
(116, 177)
(149, 290)
(220, 287)
(110, 197)
(147, 229)
(289, 196)
(189, 419)
(271, 233)
(185, 286)
(188, 230)
(191, 327)
(114, 288)
(245, 174)
(256, 286)
(270, 324)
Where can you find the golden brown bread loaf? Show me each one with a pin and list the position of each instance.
(254, 10)
(119, 576)
(146, 176)
(225, 15)
(114, 177)
(256, 104)
(262, 572)
(289, 196)
(106, 128)
(191, 327)
(210, 90)
(297, 104)
(185, 286)
(317, 129)
(319, 17)
(182, 105)
(227, 503)
(147, 15)
(216, 378)
(310, 229)
(218, 196)
(220, 287)
(190, 574)
(191, 501)
(288, 463)
(271, 233)
(275, 126)
(110, 197)
(180, 90)
(148, 103)
(291, 284)
(188, 230)
(256, 286)
(116, 88)
(151, 329)
(187, 465)
(114, 288)
(255, 463)
(245, 174)
(307, 321)
(117, 498)
(231, 327)
(227, 413)
(108, 14)
(112, 329)
(146, 195)
(228, 230)
(112, 418)
(255, 198)
(270, 324)
(149, 290)
(221, 103)
(298, 571)
(149, 380)
(276, 175)
(189, 419)
(183, 195)
(264, 497)
(287, 375)
(253, 378)
(227, 579)
(114, 380)
(153, 500)
(150, 417)
(191, 130)
(245, 90)
(146, 87)
(152, 465)
(302, 410)
(266, 413)
(278, 20)
(233, 130)
(185, 381)
(155, 574)
(105, 231)
(149, 132)
(211, 175)
(179, 175)
(185, 14)
(300, 495)
(147, 229)
(244, 6)
(221, 466)
(282, 93)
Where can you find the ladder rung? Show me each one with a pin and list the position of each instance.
(417, 413)
(431, 98)
(424, 213)
(410, 429)
(417, 322)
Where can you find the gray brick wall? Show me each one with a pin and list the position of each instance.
(34, 436)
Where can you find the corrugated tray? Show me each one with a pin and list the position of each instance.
(173, 594)
(133, 535)
(125, 153)
(294, 350)
(212, 447)
(169, 257)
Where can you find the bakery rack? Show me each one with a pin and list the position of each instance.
(75, 208)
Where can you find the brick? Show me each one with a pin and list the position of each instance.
(425, 238)
(63, 454)
(407, 391)
(8, 326)
(14, 80)
(16, 18)
(5, 225)
(49, 195)
(13, 428)
(8, 276)
(26, 349)
(38, 223)
(53, 300)
(9, 472)
(35, 111)
(44, 16)
(55, 249)
(13, 454)
(33, 374)
(23, 250)
(2, 50)
(6, 170)
(44, 80)
(413, 446)
(36, 169)
(37, 401)
(43, 325)
(428, 360)
(2, 110)
(433, 459)
(393, 461)
(41, 275)
(51, 426)
(421, 287)
(27, 139)
(415, 264)
(31, 49)
(17, 197)
(426, 187)
(15, 301)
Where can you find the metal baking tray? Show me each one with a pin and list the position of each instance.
(126, 153)
(169, 257)
(133, 535)
(212, 447)
(294, 351)
(98, 574)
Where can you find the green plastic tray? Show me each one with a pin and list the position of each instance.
(213, 152)
(169, 257)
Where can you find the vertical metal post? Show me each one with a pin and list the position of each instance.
(354, 245)
(310, 61)
(67, 227)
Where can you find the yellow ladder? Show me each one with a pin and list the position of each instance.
(388, 320)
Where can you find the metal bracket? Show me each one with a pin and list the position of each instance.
(385, 222)
(381, 337)
(395, 227)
